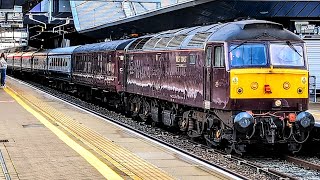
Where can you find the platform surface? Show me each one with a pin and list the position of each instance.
(314, 109)
(36, 150)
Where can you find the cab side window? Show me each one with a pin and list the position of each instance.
(219, 56)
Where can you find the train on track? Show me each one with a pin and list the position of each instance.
(233, 84)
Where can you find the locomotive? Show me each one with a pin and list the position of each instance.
(233, 84)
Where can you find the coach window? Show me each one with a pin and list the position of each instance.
(218, 56)
(192, 59)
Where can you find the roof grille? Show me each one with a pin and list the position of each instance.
(163, 42)
(138, 44)
(151, 43)
(198, 39)
(177, 40)
(142, 43)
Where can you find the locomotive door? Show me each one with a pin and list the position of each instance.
(207, 77)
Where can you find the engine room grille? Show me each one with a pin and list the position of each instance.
(198, 39)
(163, 42)
(138, 44)
(177, 40)
(151, 43)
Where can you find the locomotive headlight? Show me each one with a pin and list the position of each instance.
(286, 85)
(243, 122)
(305, 120)
(277, 103)
(303, 80)
(254, 85)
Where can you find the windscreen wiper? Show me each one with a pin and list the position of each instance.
(238, 46)
(293, 48)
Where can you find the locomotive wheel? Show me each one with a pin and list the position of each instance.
(146, 109)
(228, 149)
(209, 137)
(135, 106)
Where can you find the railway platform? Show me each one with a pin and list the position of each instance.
(42, 137)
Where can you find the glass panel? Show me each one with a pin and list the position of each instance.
(218, 56)
(247, 55)
(286, 55)
(192, 59)
(208, 56)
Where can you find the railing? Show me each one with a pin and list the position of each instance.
(313, 87)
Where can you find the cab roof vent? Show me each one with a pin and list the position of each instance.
(262, 26)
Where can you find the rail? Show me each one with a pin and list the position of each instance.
(303, 163)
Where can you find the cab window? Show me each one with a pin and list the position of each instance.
(218, 56)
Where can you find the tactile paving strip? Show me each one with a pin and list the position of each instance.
(123, 159)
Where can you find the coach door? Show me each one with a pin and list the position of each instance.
(207, 77)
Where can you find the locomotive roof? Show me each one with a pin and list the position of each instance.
(196, 37)
(65, 50)
(111, 45)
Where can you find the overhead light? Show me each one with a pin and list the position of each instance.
(264, 12)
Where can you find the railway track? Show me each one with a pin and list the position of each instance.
(296, 167)
(312, 163)
(239, 167)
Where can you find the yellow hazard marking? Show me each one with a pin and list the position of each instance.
(106, 171)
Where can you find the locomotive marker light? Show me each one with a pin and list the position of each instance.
(303, 80)
(300, 90)
(286, 85)
(254, 85)
(235, 80)
(243, 122)
(305, 120)
(240, 90)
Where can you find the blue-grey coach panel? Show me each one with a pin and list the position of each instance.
(40, 60)
(65, 50)
(59, 60)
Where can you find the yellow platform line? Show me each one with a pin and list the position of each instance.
(106, 171)
(121, 158)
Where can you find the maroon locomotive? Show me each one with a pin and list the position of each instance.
(234, 84)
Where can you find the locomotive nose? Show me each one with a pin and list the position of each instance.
(305, 120)
(243, 122)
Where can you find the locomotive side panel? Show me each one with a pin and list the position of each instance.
(168, 76)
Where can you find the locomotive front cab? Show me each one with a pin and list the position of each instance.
(269, 91)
